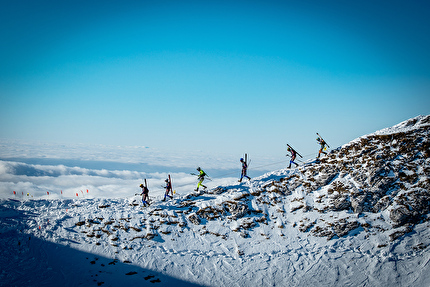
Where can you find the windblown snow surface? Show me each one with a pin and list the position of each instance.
(360, 217)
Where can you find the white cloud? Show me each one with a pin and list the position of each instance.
(64, 182)
(106, 171)
(113, 156)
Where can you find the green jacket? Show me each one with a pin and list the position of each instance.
(202, 174)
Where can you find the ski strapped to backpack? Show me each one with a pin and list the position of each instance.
(246, 160)
(322, 139)
(205, 174)
(145, 188)
(294, 150)
(168, 188)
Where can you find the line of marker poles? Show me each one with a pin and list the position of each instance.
(48, 193)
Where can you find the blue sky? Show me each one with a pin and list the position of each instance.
(214, 76)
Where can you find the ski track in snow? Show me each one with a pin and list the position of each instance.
(112, 242)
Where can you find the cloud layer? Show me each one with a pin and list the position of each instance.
(18, 179)
(108, 171)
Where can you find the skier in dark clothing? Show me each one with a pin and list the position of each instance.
(322, 144)
(293, 156)
(244, 168)
(145, 195)
(168, 188)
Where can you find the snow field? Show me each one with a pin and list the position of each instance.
(356, 219)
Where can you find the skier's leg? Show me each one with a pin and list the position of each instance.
(199, 184)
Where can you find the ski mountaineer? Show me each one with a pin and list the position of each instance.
(244, 168)
(322, 144)
(168, 188)
(145, 194)
(293, 156)
(201, 176)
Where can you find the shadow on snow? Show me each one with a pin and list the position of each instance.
(30, 261)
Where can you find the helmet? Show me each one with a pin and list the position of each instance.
(241, 159)
(166, 180)
(198, 168)
(288, 149)
(141, 185)
(318, 139)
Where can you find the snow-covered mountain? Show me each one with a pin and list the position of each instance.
(360, 217)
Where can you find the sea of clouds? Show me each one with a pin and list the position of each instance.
(41, 170)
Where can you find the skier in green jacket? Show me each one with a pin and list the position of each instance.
(201, 177)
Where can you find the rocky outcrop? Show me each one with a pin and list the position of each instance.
(385, 172)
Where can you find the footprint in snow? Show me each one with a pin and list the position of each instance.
(152, 281)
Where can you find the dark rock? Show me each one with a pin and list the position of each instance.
(194, 219)
(400, 215)
(343, 227)
(341, 203)
(357, 203)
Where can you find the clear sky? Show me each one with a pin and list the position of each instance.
(214, 76)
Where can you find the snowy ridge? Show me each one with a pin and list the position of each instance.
(360, 217)
(406, 126)
(403, 127)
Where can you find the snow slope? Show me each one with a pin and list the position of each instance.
(358, 218)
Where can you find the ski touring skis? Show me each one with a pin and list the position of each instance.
(207, 176)
(322, 139)
(294, 150)
(168, 188)
(247, 162)
(170, 182)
